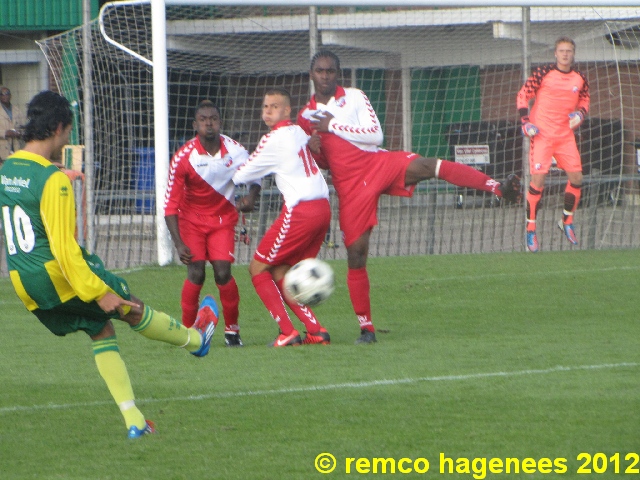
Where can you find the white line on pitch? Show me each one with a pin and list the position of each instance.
(334, 386)
(540, 273)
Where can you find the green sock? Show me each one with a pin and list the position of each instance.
(160, 326)
(114, 372)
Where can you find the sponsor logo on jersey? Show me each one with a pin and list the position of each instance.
(14, 184)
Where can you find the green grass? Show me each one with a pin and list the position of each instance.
(505, 356)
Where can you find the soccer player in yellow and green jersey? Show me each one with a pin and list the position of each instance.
(64, 286)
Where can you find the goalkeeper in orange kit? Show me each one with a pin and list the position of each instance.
(561, 103)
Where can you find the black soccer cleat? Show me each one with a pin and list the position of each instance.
(232, 339)
(366, 337)
(511, 189)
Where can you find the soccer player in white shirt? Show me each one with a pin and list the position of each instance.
(302, 225)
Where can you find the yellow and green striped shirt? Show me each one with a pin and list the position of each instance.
(46, 264)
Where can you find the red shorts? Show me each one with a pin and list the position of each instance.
(563, 148)
(384, 174)
(296, 234)
(209, 237)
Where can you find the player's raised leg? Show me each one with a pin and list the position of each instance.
(422, 168)
(159, 326)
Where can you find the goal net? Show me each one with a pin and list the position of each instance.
(443, 82)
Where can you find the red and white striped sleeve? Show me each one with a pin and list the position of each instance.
(368, 130)
(177, 175)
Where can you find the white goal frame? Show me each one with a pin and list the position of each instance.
(487, 47)
(160, 86)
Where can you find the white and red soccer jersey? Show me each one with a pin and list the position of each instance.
(201, 182)
(360, 171)
(557, 94)
(354, 119)
(284, 152)
(354, 130)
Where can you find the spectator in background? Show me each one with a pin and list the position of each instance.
(11, 122)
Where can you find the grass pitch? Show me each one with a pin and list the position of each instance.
(480, 359)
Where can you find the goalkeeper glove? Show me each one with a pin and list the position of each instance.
(528, 128)
(575, 119)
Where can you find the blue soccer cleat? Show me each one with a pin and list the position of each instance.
(568, 231)
(532, 241)
(135, 432)
(206, 323)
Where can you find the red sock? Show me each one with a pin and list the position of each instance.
(272, 299)
(571, 200)
(533, 200)
(230, 298)
(358, 284)
(189, 301)
(466, 176)
(304, 313)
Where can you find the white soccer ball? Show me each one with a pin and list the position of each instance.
(309, 281)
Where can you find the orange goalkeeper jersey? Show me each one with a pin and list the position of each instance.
(556, 94)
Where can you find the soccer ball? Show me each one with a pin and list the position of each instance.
(309, 281)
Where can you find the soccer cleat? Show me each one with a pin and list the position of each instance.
(321, 337)
(366, 336)
(205, 324)
(135, 432)
(511, 189)
(532, 241)
(291, 340)
(569, 232)
(232, 339)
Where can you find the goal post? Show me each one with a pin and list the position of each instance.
(442, 80)
(161, 124)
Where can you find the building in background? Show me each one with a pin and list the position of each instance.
(23, 67)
